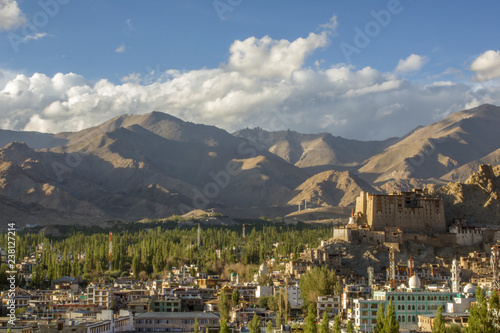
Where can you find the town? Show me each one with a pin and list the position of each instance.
(284, 292)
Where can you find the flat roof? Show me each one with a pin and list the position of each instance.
(177, 315)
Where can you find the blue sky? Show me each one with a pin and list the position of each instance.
(71, 64)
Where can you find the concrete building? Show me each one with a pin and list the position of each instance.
(330, 304)
(413, 211)
(409, 304)
(174, 321)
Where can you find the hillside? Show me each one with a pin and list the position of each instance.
(329, 188)
(434, 151)
(154, 165)
(477, 199)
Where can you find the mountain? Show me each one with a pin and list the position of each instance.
(153, 165)
(315, 152)
(433, 151)
(329, 188)
(477, 199)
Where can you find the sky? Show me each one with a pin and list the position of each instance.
(366, 70)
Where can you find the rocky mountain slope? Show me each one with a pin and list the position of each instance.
(154, 165)
(477, 199)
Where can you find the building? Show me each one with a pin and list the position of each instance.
(165, 304)
(330, 304)
(105, 322)
(174, 321)
(413, 211)
(409, 304)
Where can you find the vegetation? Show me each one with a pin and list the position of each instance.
(153, 249)
(310, 321)
(438, 325)
(480, 320)
(319, 281)
(324, 326)
(254, 324)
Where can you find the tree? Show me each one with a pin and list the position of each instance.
(223, 327)
(379, 327)
(323, 327)
(254, 325)
(350, 327)
(494, 306)
(310, 322)
(438, 325)
(269, 327)
(196, 327)
(319, 281)
(480, 319)
(391, 325)
(235, 297)
(223, 306)
(278, 321)
(336, 324)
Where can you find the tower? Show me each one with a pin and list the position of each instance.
(495, 253)
(455, 277)
(392, 267)
(243, 236)
(411, 267)
(370, 276)
(110, 249)
(199, 236)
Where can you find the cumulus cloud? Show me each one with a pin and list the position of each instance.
(266, 57)
(486, 66)
(411, 64)
(264, 83)
(11, 16)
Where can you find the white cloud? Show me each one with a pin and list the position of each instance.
(37, 36)
(331, 25)
(120, 49)
(264, 83)
(486, 66)
(270, 58)
(411, 64)
(11, 16)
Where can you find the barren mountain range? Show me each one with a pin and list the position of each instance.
(154, 165)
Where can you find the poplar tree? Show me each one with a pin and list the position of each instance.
(438, 325)
(391, 325)
(323, 327)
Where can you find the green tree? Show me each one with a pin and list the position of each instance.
(196, 327)
(323, 327)
(438, 325)
(454, 328)
(391, 324)
(254, 324)
(350, 327)
(235, 297)
(269, 327)
(494, 306)
(278, 321)
(479, 319)
(310, 321)
(379, 326)
(223, 306)
(336, 324)
(319, 281)
(223, 327)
